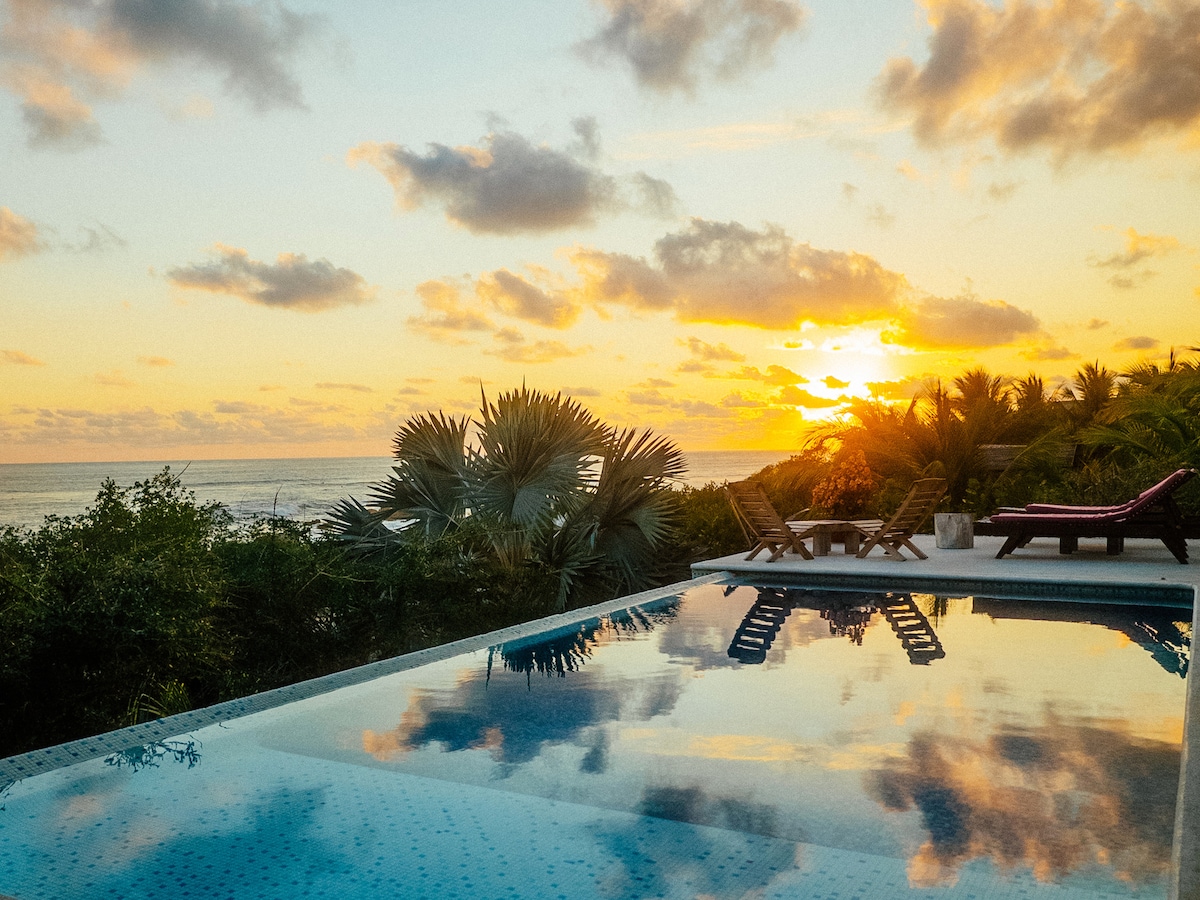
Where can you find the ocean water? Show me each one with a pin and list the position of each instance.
(302, 489)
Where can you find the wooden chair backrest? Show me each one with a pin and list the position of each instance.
(923, 497)
(755, 511)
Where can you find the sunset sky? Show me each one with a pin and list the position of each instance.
(236, 229)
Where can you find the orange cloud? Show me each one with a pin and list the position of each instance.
(1071, 76)
(446, 311)
(710, 352)
(225, 423)
(963, 322)
(112, 379)
(797, 396)
(726, 273)
(18, 236)
(343, 386)
(903, 389)
(512, 346)
(1138, 248)
(1049, 354)
(1139, 342)
(517, 297)
(780, 376)
(17, 358)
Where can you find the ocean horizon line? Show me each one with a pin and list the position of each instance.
(166, 460)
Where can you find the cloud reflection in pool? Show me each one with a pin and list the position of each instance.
(1044, 738)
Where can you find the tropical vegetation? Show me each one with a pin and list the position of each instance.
(151, 603)
(1100, 436)
(541, 482)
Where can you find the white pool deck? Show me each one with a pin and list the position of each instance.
(1144, 562)
(1145, 570)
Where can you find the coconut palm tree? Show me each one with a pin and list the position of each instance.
(1092, 389)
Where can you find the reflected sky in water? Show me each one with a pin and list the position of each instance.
(734, 741)
(1044, 737)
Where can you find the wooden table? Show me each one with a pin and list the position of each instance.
(824, 532)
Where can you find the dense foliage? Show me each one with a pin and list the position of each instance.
(1100, 437)
(151, 603)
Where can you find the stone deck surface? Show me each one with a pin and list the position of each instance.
(1144, 563)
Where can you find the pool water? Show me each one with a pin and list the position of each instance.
(730, 741)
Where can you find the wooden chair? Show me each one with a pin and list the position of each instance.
(917, 507)
(764, 527)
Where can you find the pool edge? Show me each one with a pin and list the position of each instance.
(59, 756)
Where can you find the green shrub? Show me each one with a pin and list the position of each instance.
(106, 608)
(150, 603)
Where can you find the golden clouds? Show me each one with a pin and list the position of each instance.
(1070, 76)
(964, 322)
(446, 311)
(512, 346)
(156, 362)
(726, 273)
(17, 358)
(709, 352)
(18, 236)
(517, 297)
(291, 282)
(621, 279)
(1138, 249)
(224, 423)
(729, 273)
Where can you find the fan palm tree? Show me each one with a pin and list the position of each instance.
(545, 481)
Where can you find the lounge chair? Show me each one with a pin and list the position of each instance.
(897, 532)
(763, 526)
(1151, 514)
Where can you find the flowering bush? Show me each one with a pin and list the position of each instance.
(848, 487)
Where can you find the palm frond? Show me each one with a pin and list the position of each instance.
(534, 457)
(428, 482)
(361, 529)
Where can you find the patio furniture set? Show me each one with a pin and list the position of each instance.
(1152, 514)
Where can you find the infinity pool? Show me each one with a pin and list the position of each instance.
(730, 741)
